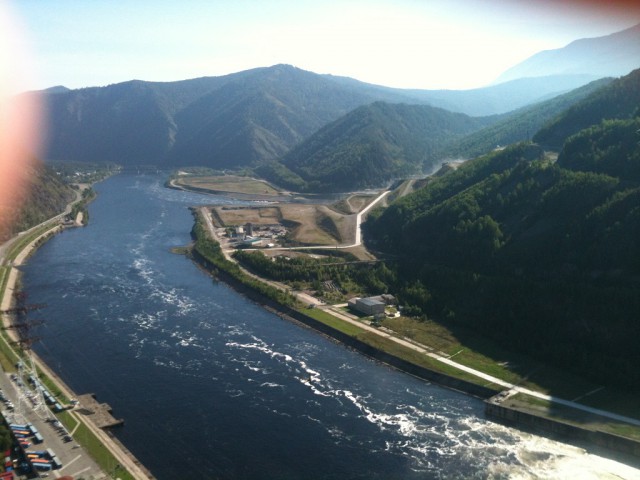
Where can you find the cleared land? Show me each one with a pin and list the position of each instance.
(227, 184)
(306, 224)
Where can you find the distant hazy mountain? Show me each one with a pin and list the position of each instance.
(372, 145)
(245, 118)
(520, 124)
(503, 98)
(261, 116)
(56, 89)
(610, 56)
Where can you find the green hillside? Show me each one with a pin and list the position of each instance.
(47, 197)
(541, 256)
(618, 100)
(373, 145)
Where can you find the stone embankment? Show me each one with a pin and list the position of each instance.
(517, 417)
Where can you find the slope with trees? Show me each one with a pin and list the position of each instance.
(541, 256)
(373, 145)
(46, 197)
(618, 100)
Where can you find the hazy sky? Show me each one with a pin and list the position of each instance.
(430, 44)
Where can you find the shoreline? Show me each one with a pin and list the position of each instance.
(135, 468)
(523, 420)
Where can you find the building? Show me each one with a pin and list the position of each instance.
(252, 241)
(386, 298)
(368, 306)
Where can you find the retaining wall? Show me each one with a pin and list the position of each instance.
(610, 441)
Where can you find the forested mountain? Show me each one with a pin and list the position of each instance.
(260, 117)
(618, 100)
(245, 118)
(376, 143)
(609, 56)
(521, 124)
(542, 256)
(371, 146)
(46, 197)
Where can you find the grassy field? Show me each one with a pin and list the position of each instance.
(231, 216)
(390, 346)
(483, 355)
(229, 184)
(24, 240)
(498, 363)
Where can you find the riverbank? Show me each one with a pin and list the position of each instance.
(211, 258)
(291, 314)
(131, 468)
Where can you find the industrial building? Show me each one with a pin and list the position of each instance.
(368, 306)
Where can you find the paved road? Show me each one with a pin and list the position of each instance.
(489, 378)
(358, 240)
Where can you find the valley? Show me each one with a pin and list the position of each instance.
(287, 266)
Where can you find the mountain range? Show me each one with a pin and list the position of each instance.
(274, 120)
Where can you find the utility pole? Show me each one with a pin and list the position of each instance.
(23, 326)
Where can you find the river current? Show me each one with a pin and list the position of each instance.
(212, 386)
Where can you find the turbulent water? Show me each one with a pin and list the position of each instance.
(212, 386)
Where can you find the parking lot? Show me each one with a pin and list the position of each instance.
(18, 409)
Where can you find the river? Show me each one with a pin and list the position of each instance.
(213, 386)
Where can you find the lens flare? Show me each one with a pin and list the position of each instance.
(19, 119)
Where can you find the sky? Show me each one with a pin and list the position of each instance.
(428, 44)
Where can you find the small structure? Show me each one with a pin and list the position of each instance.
(252, 241)
(368, 306)
(99, 413)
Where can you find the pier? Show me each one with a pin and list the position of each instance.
(98, 413)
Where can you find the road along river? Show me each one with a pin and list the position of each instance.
(212, 386)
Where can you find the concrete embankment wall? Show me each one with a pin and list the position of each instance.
(512, 416)
(403, 365)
